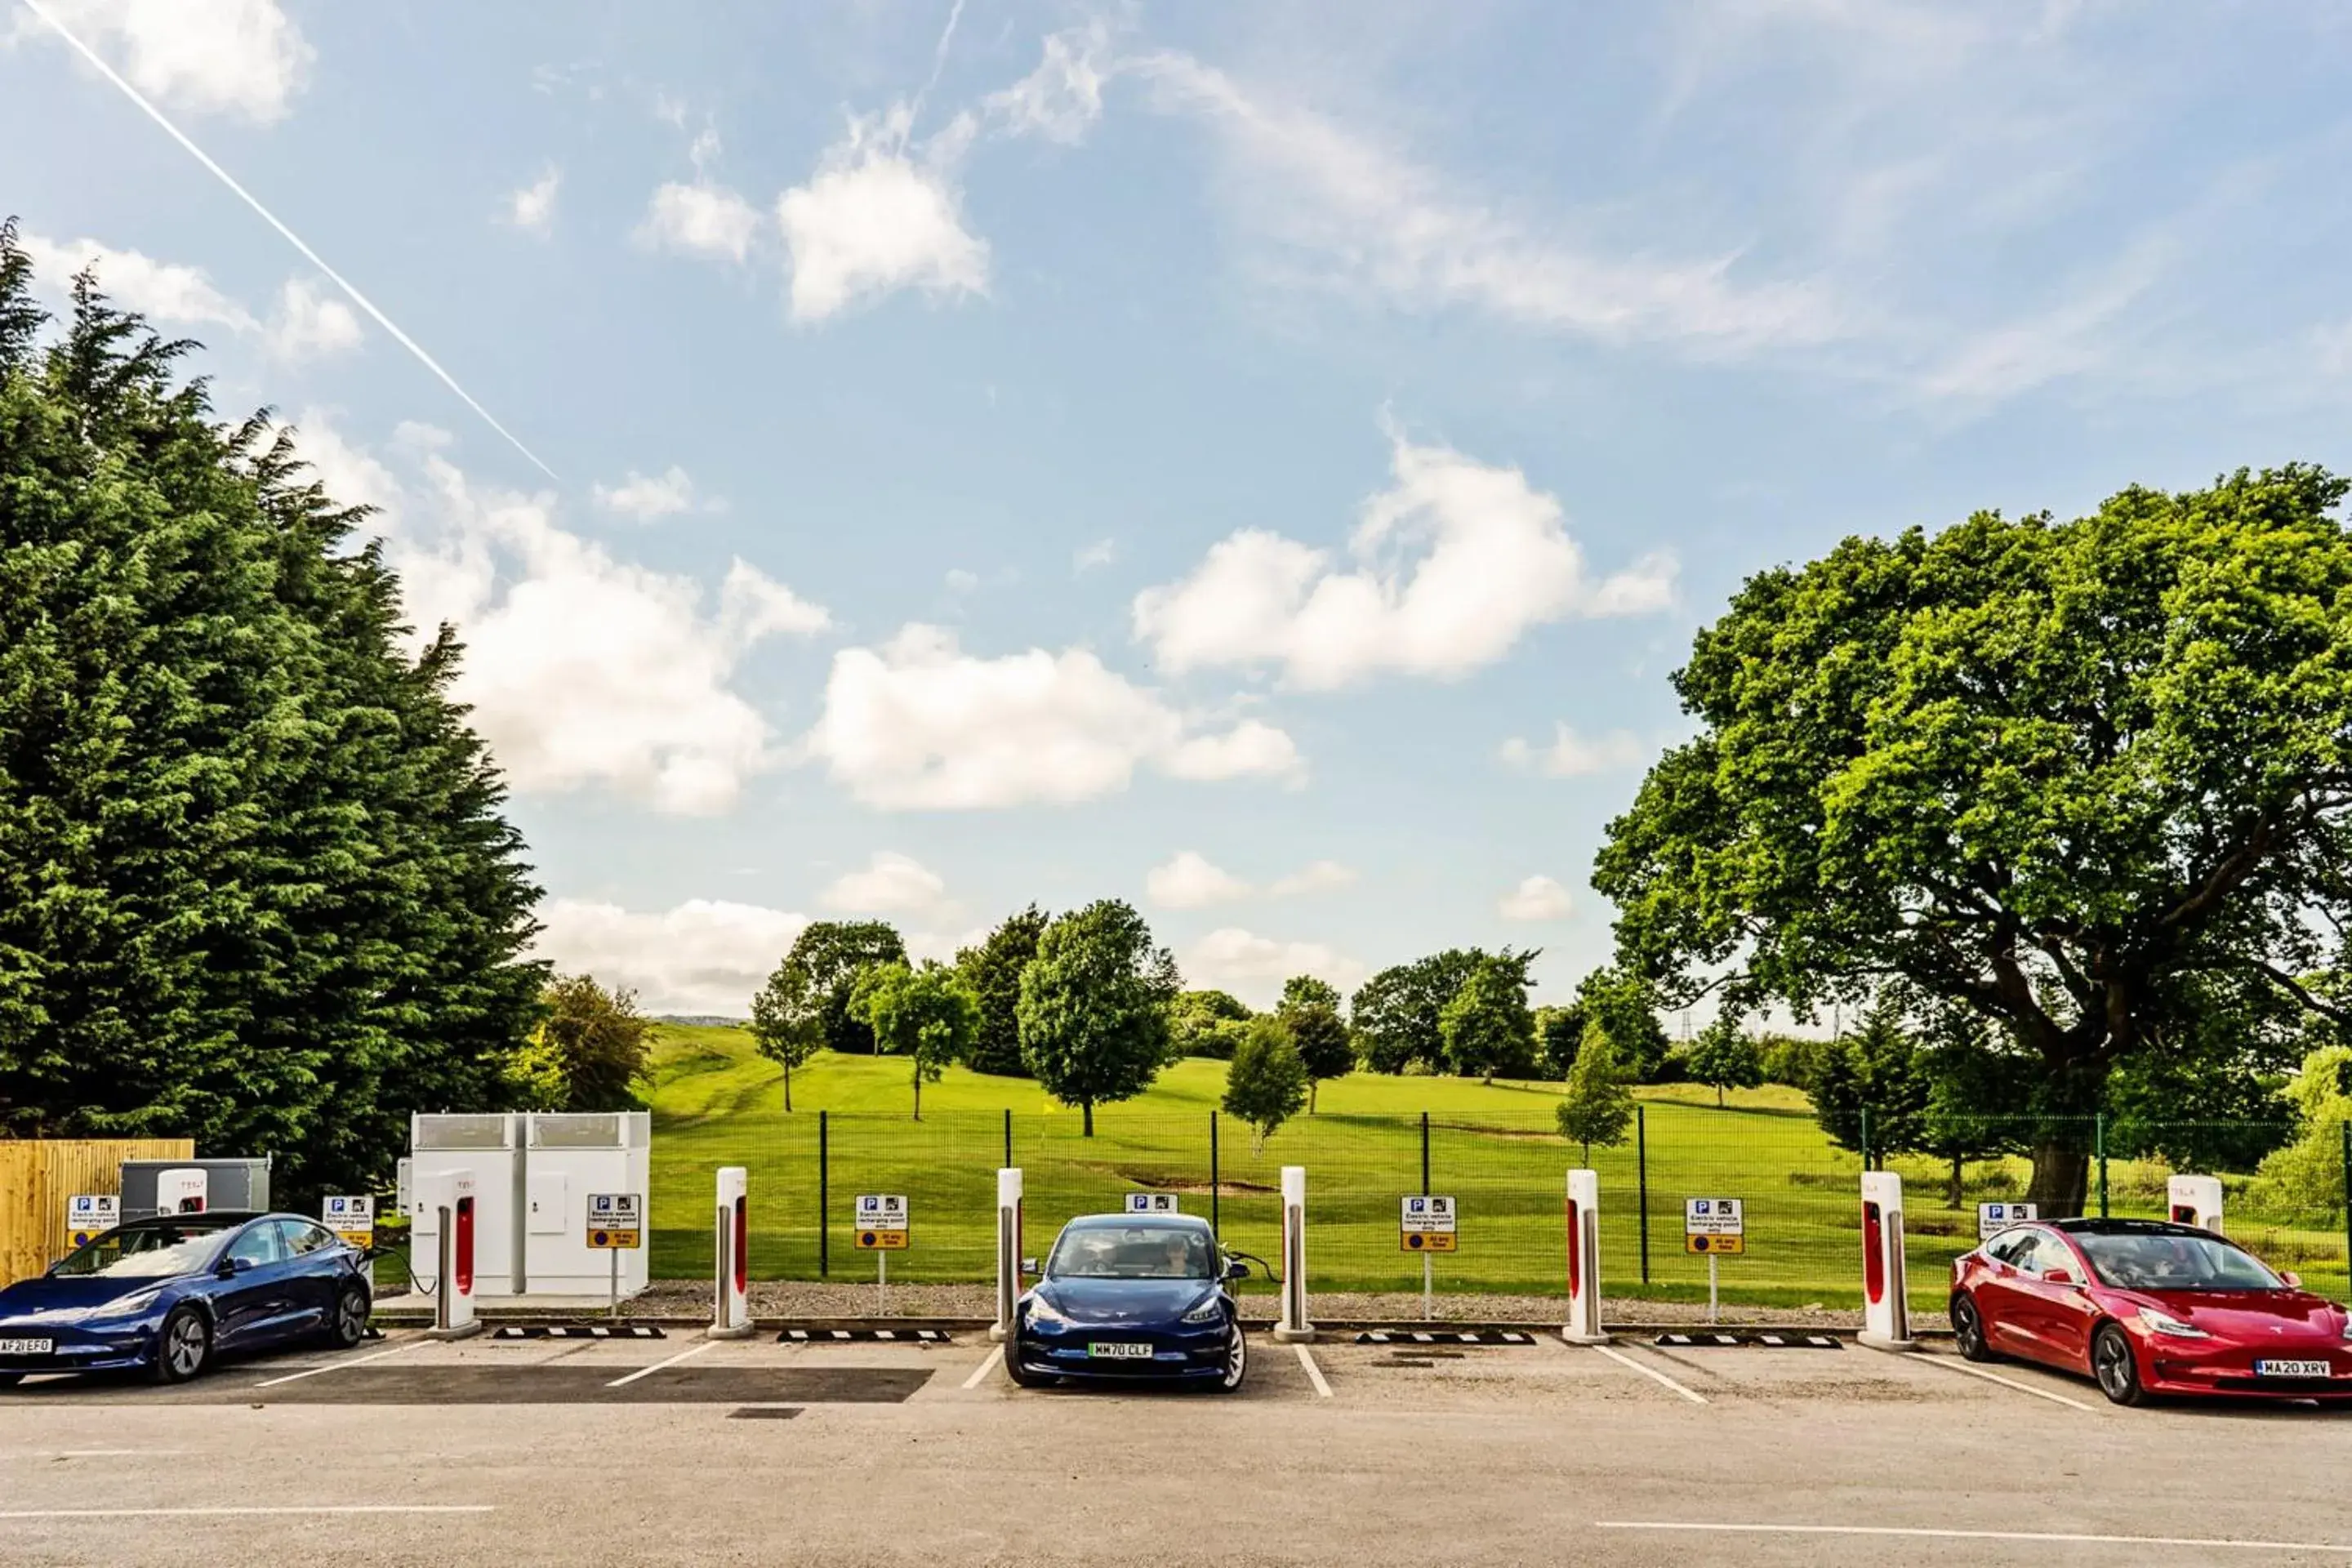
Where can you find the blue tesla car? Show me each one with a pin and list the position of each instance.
(1132, 1296)
(166, 1296)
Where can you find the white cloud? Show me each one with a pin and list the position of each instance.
(531, 207)
(1373, 222)
(918, 724)
(701, 220)
(1062, 98)
(1571, 755)
(1101, 552)
(309, 325)
(1254, 967)
(163, 290)
(1189, 881)
(872, 221)
(891, 884)
(1494, 560)
(701, 956)
(580, 668)
(223, 57)
(2072, 337)
(1535, 898)
(647, 497)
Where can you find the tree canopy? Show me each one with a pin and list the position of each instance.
(1207, 1023)
(1267, 1083)
(2065, 774)
(599, 1041)
(925, 1015)
(992, 972)
(812, 987)
(1094, 1008)
(1597, 1107)
(255, 884)
(1486, 1026)
(1723, 1056)
(1310, 1016)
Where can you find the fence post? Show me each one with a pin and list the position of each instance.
(2099, 1135)
(1216, 1188)
(1424, 1154)
(823, 1197)
(1865, 1139)
(2347, 1195)
(1008, 1137)
(1642, 1164)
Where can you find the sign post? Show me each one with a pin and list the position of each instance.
(1715, 1226)
(882, 1223)
(89, 1215)
(1425, 1225)
(1994, 1218)
(615, 1224)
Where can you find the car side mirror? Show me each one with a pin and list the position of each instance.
(2057, 1276)
(2292, 1280)
(1237, 1269)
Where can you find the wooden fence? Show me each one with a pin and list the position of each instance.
(37, 1177)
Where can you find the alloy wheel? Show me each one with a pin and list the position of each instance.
(185, 1345)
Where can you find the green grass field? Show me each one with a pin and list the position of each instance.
(1492, 1147)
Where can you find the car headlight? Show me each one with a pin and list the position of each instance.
(2164, 1323)
(1208, 1312)
(1046, 1315)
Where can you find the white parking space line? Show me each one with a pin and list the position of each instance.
(337, 1365)
(119, 1453)
(980, 1374)
(1649, 1371)
(1961, 1367)
(649, 1371)
(1314, 1372)
(242, 1512)
(2224, 1543)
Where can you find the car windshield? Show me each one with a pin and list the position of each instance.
(2160, 1260)
(144, 1252)
(1132, 1252)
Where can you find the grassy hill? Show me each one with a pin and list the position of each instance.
(1494, 1148)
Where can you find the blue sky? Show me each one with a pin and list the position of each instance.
(1259, 460)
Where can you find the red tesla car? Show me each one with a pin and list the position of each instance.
(2146, 1308)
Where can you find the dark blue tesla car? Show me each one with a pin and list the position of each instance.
(1132, 1296)
(166, 1296)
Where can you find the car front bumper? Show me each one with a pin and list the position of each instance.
(2188, 1367)
(1175, 1355)
(113, 1345)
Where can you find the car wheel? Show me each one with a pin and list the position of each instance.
(347, 1327)
(2113, 1363)
(1020, 1375)
(1236, 1362)
(183, 1347)
(1969, 1330)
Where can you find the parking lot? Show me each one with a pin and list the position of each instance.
(683, 1449)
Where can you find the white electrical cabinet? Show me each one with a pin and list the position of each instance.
(570, 1156)
(491, 1147)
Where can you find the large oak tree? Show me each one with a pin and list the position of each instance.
(2087, 779)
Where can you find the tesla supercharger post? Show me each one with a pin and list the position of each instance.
(1293, 1327)
(1584, 1260)
(181, 1191)
(731, 1298)
(449, 1195)
(1008, 1251)
(1885, 1306)
(2195, 1200)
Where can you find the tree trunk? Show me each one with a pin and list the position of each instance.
(1718, 1096)
(788, 1088)
(919, 1093)
(1088, 1109)
(1953, 1200)
(1312, 1085)
(2061, 1177)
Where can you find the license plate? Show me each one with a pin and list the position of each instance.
(27, 1347)
(1101, 1351)
(2292, 1369)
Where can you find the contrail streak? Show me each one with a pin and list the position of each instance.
(362, 301)
(939, 64)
